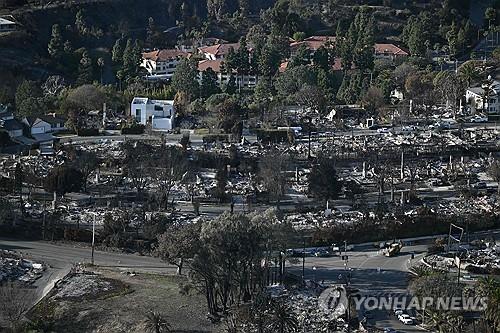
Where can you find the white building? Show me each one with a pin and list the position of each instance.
(161, 64)
(248, 81)
(7, 25)
(44, 124)
(159, 114)
(478, 101)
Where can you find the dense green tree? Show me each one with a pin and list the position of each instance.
(323, 180)
(178, 244)
(292, 80)
(269, 61)
(29, 101)
(85, 69)
(321, 58)
(209, 83)
(230, 86)
(80, 23)
(185, 78)
(64, 179)
(416, 32)
(150, 32)
(55, 47)
(490, 15)
(299, 36)
(452, 38)
(131, 59)
(117, 52)
(301, 57)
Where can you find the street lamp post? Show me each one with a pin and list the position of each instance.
(93, 240)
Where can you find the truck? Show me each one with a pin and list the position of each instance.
(393, 249)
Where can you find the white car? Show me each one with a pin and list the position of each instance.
(405, 319)
(398, 311)
(384, 130)
(479, 119)
(408, 129)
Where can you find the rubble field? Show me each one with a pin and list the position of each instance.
(15, 268)
(107, 300)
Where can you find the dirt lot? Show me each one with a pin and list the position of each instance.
(121, 303)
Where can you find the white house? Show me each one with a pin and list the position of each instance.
(161, 64)
(159, 114)
(246, 80)
(7, 25)
(44, 124)
(478, 101)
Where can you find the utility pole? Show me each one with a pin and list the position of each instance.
(93, 239)
(303, 258)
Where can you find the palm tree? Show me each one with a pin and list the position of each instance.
(284, 320)
(100, 64)
(468, 72)
(156, 323)
(487, 90)
(490, 287)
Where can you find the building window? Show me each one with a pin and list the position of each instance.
(138, 114)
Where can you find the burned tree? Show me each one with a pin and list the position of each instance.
(170, 168)
(323, 180)
(137, 165)
(272, 175)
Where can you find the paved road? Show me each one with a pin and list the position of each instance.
(60, 259)
(372, 273)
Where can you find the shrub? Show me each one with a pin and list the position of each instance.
(133, 129)
(87, 132)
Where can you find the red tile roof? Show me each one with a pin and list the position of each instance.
(164, 55)
(283, 67)
(389, 49)
(206, 64)
(219, 49)
(313, 42)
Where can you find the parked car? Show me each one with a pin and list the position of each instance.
(398, 311)
(479, 119)
(405, 319)
(384, 130)
(480, 185)
(408, 129)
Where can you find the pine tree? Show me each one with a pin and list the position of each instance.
(55, 47)
(243, 58)
(80, 24)
(269, 61)
(117, 52)
(185, 78)
(150, 32)
(209, 83)
(230, 87)
(452, 38)
(68, 48)
(85, 69)
(342, 92)
(130, 59)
